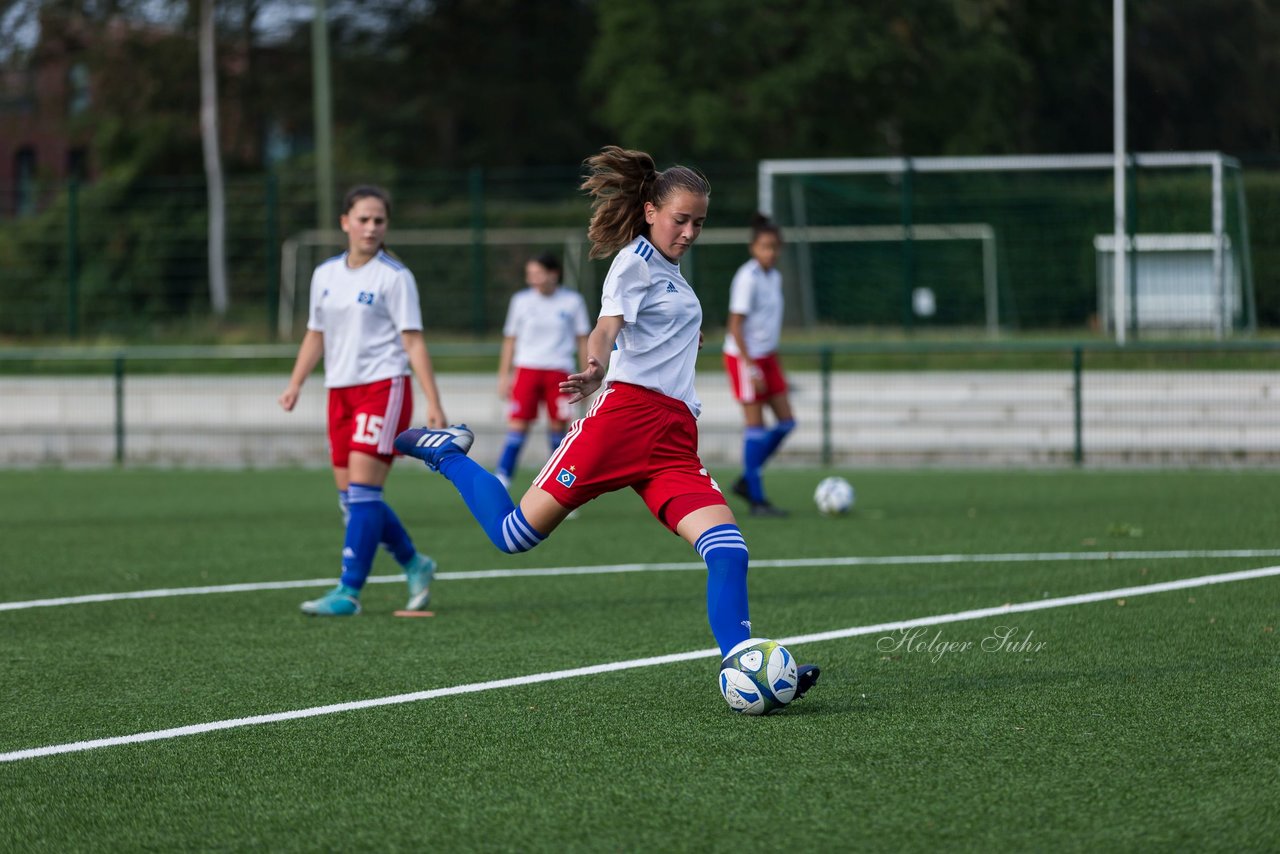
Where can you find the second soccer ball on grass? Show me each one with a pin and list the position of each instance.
(834, 495)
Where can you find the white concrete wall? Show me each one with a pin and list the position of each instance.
(973, 417)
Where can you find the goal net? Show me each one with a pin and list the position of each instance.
(1013, 243)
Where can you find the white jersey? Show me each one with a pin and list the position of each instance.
(658, 344)
(362, 313)
(546, 328)
(756, 293)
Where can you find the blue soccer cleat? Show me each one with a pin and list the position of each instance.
(431, 446)
(419, 574)
(806, 678)
(341, 601)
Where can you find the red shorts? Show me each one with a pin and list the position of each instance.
(366, 418)
(634, 437)
(744, 390)
(533, 385)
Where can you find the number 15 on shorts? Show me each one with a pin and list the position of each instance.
(368, 429)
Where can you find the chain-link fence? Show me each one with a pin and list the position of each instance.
(126, 259)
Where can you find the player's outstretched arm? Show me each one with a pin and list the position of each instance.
(600, 343)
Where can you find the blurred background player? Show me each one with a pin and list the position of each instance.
(366, 322)
(641, 431)
(751, 360)
(544, 339)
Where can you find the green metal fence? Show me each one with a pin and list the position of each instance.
(126, 259)
(1040, 404)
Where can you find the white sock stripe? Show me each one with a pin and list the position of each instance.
(709, 537)
(515, 539)
(520, 524)
(721, 542)
(706, 544)
(714, 546)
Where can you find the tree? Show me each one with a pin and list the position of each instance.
(211, 144)
(462, 82)
(723, 80)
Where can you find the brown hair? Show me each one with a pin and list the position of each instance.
(366, 191)
(621, 181)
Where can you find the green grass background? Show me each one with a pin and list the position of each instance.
(1143, 725)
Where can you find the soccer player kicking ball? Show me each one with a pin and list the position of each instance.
(641, 431)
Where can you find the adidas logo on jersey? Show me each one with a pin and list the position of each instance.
(671, 287)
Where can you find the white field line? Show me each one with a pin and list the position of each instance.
(686, 566)
(612, 667)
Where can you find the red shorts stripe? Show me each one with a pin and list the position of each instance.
(742, 384)
(366, 418)
(574, 429)
(534, 386)
(395, 400)
(633, 437)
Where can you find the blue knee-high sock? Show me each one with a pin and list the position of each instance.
(489, 502)
(776, 435)
(725, 552)
(363, 532)
(395, 537)
(754, 442)
(510, 453)
(554, 438)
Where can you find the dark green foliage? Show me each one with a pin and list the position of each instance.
(426, 91)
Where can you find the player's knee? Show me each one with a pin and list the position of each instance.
(786, 426)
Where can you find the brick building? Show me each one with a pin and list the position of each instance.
(43, 139)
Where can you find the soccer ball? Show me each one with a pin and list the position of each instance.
(833, 495)
(758, 676)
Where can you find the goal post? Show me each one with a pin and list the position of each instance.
(1043, 211)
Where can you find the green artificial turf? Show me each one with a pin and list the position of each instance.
(1134, 723)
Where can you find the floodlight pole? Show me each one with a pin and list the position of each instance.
(322, 110)
(1119, 283)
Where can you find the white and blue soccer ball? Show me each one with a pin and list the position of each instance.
(833, 496)
(758, 676)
